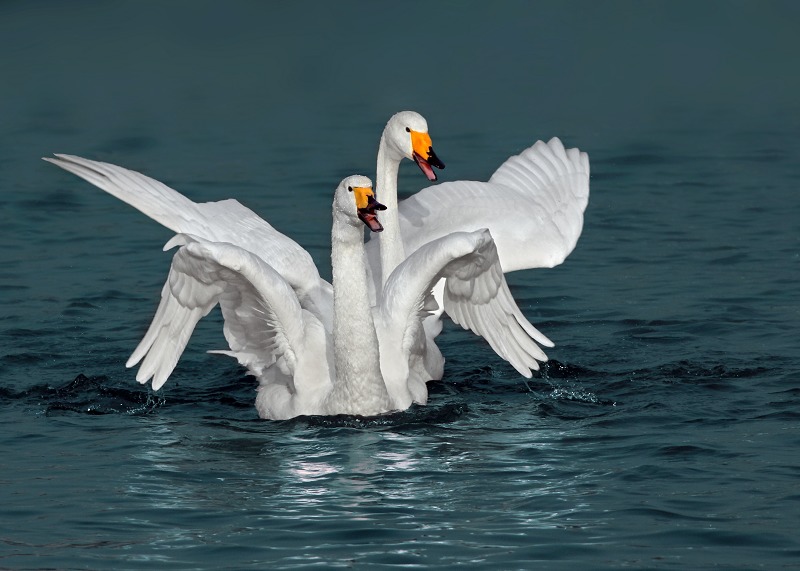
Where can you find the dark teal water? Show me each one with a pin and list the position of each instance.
(663, 434)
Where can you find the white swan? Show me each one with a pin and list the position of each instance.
(315, 348)
(533, 206)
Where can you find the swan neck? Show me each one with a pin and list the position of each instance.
(359, 384)
(390, 241)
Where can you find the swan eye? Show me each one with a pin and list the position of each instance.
(408, 130)
(350, 188)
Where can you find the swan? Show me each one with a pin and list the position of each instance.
(406, 136)
(533, 206)
(316, 348)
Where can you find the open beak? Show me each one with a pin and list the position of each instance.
(423, 155)
(368, 207)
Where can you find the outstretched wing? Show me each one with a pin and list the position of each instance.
(476, 296)
(264, 323)
(225, 221)
(533, 205)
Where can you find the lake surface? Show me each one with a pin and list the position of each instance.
(663, 434)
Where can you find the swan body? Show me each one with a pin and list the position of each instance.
(315, 347)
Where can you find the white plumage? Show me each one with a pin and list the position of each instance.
(532, 205)
(315, 348)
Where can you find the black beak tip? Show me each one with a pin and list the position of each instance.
(434, 160)
(373, 204)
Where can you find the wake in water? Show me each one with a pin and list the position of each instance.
(563, 391)
(88, 395)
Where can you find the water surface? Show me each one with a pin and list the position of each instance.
(662, 434)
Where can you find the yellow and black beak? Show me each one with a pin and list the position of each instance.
(367, 207)
(423, 155)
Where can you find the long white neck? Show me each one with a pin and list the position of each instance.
(359, 386)
(389, 241)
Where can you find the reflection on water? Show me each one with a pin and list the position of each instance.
(497, 485)
(333, 472)
(306, 472)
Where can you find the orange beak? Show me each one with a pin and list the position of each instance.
(423, 155)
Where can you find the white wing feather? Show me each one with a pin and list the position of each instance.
(475, 295)
(264, 322)
(225, 221)
(533, 205)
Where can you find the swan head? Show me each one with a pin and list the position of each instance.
(356, 200)
(406, 136)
